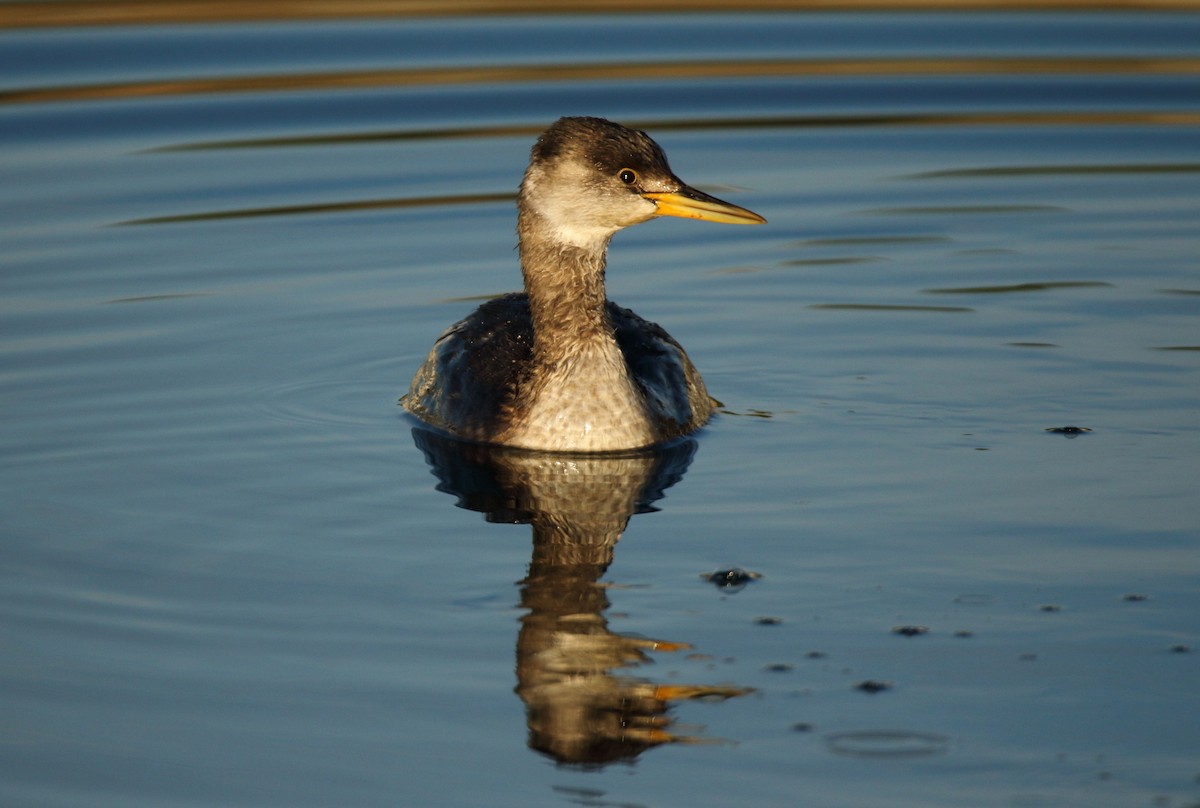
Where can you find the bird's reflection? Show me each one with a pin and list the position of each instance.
(580, 708)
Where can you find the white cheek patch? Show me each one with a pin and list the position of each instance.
(587, 238)
(577, 214)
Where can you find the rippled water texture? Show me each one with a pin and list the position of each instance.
(939, 549)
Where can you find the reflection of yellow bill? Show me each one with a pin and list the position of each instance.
(688, 203)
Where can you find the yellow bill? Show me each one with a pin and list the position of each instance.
(688, 203)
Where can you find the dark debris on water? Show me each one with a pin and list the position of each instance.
(732, 579)
(1069, 431)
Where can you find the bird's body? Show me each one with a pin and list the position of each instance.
(628, 385)
(560, 367)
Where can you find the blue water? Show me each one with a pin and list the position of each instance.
(231, 574)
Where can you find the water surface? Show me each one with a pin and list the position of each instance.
(233, 575)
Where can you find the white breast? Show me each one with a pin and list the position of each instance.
(586, 403)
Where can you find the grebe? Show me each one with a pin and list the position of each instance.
(560, 367)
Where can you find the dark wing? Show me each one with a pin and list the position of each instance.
(470, 379)
(674, 392)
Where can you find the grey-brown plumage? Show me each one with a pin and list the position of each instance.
(560, 367)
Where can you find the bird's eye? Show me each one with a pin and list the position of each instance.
(627, 176)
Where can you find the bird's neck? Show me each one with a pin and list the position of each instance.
(565, 285)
